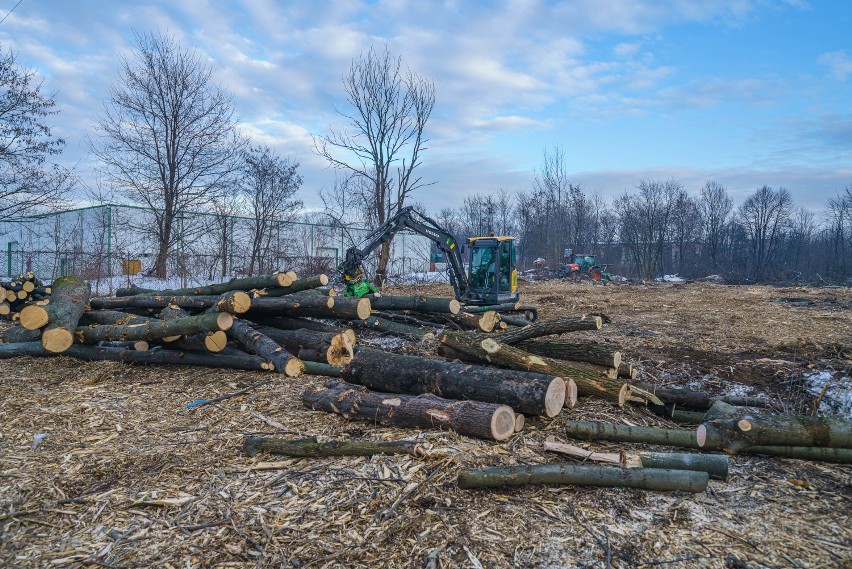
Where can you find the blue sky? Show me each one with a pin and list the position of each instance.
(744, 92)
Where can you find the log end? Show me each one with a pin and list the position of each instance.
(292, 274)
(170, 338)
(363, 309)
(503, 423)
(519, 422)
(701, 435)
(350, 333)
(240, 302)
(489, 345)
(598, 322)
(5, 309)
(329, 303)
(623, 394)
(340, 351)
(455, 306)
(141, 346)
(216, 341)
(28, 286)
(616, 360)
(57, 340)
(488, 320)
(224, 320)
(283, 279)
(554, 397)
(33, 317)
(294, 367)
(323, 279)
(570, 392)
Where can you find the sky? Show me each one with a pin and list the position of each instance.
(743, 92)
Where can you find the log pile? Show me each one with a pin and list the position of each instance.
(17, 294)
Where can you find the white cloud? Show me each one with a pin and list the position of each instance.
(838, 62)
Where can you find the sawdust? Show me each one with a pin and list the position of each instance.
(127, 475)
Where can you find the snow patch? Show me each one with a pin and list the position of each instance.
(671, 279)
(836, 390)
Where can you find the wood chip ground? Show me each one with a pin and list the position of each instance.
(103, 465)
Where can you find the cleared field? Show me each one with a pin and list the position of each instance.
(127, 475)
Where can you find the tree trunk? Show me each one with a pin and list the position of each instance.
(716, 465)
(239, 283)
(335, 349)
(296, 286)
(235, 302)
(68, 302)
(416, 304)
(154, 329)
(16, 334)
(584, 475)
(344, 308)
(736, 429)
(151, 357)
(394, 328)
(590, 352)
(594, 431)
(489, 351)
(485, 321)
(292, 303)
(317, 368)
(470, 418)
(526, 392)
(555, 326)
(266, 348)
(312, 448)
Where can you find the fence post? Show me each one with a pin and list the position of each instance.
(109, 246)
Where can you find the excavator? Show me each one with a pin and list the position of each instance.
(491, 278)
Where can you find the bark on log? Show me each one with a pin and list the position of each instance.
(335, 349)
(267, 348)
(584, 475)
(68, 302)
(138, 345)
(208, 342)
(317, 368)
(526, 392)
(716, 465)
(416, 304)
(555, 326)
(699, 399)
(821, 454)
(511, 320)
(736, 429)
(16, 334)
(505, 307)
(627, 371)
(154, 329)
(505, 356)
(589, 352)
(151, 357)
(595, 431)
(106, 317)
(312, 448)
(677, 414)
(394, 328)
(238, 283)
(293, 323)
(470, 418)
(343, 307)
(235, 302)
(485, 321)
(296, 286)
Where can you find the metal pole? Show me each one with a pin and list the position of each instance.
(109, 246)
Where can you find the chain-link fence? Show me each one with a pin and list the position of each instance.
(112, 245)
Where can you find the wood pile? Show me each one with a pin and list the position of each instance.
(21, 292)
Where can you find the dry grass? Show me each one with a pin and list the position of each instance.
(128, 476)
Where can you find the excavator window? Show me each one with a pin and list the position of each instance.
(483, 269)
(507, 253)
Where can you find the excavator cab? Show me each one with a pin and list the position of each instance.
(492, 274)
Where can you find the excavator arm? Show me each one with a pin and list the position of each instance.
(407, 218)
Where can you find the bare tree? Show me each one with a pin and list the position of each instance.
(686, 227)
(763, 216)
(27, 181)
(270, 184)
(644, 223)
(385, 135)
(716, 207)
(167, 135)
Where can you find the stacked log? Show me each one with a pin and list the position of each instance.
(17, 294)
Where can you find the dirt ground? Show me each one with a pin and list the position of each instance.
(103, 464)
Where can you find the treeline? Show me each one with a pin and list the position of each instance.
(661, 228)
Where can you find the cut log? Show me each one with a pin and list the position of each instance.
(677, 414)
(293, 323)
(520, 421)
(291, 303)
(335, 349)
(822, 454)
(595, 431)
(208, 342)
(16, 334)
(627, 371)
(267, 348)
(699, 399)
(736, 429)
(584, 475)
(239, 283)
(508, 356)
(551, 327)
(5, 308)
(470, 418)
(585, 454)
(154, 329)
(138, 345)
(33, 316)
(345, 308)
(589, 352)
(312, 448)
(151, 357)
(394, 328)
(68, 302)
(416, 304)
(716, 465)
(317, 368)
(296, 286)
(485, 321)
(505, 307)
(511, 320)
(527, 392)
(235, 302)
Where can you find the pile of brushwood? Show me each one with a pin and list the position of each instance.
(487, 368)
